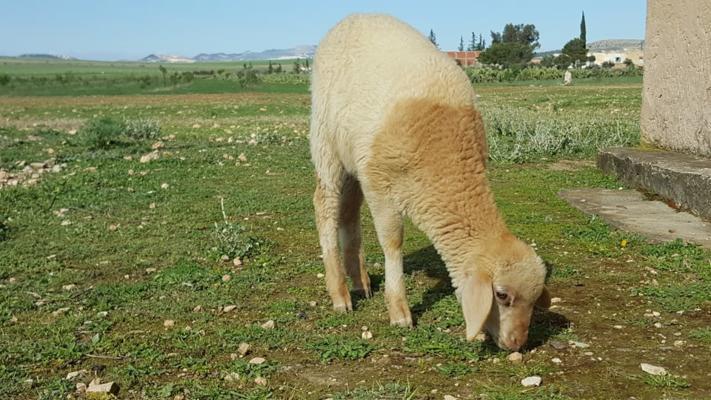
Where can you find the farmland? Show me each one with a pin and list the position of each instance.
(117, 267)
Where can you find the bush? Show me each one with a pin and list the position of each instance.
(4, 79)
(4, 228)
(490, 75)
(105, 132)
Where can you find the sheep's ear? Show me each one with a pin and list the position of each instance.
(477, 298)
(544, 300)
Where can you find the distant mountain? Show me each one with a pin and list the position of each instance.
(46, 57)
(616, 44)
(164, 58)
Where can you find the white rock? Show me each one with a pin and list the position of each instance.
(60, 311)
(168, 323)
(75, 374)
(226, 278)
(102, 314)
(237, 262)
(152, 156)
(449, 397)
(71, 286)
(515, 357)
(531, 381)
(108, 387)
(319, 275)
(260, 381)
(679, 343)
(197, 308)
(232, 377)
(81, 387)
(312, 303)
(367, 335)
(556, 360)
(580, 345)
(228, 308)
(257, 360)
(164, 186)
(653, 369)
(556, 300)
(244, 348)
(268, 325)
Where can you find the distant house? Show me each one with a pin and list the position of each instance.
(618, 56)
(465, 58)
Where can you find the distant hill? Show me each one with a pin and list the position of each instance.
(45, 57)
(603, 45)
(272, 54)
(167, 59)
(616, 44)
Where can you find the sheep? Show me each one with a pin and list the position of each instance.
(393, 121)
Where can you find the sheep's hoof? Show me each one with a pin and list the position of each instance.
(343, 306)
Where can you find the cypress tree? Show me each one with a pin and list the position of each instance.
(583, 30)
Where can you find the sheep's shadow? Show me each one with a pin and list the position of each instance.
(544, 325)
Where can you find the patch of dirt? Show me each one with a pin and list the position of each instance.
(571, 165)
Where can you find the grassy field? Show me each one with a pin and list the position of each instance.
(116, 267)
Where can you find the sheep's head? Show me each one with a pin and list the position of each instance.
(500, 297)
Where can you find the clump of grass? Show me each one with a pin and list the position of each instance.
(4, 228)
(701, 334)
(248, 370)
(453, 370)
(517, 136)
(666, 381)
(341, 348)
(106, 132)
(232, 240)
(391, 391)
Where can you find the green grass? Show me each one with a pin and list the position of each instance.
(143, 243)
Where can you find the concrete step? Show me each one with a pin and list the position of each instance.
(683, 179)
(629, 210)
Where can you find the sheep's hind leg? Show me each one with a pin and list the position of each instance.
(349, 232)
(326, 205)
(388, 224)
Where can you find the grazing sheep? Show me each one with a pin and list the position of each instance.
(393, 121)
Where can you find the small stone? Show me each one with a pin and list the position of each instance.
(69, 287)
(234, 356)
(168, 323)
(226, 278)
(232, 377)
(236, 262)
(579, 345)
(242, 157)
(152, 156)
(312, 303)
(60, 311)
(657, 325)
(152, 206)
(66, 222)
(244, 349)
(75, 374)
(319, 275)
(164, 186)
(268, 325)
(179, 397)
(197, 308)
(102, 314)
(653, 369)
(515, 357)
(260, 381)
(367, 335)
(556, 300)
(257, 361)
(655, 313)
(108, 387)
(556, 360)
(229, 308)
(531, 381)
(449, 397)
(679, 343)
(80, 387)
(150, 270)
(557, 344)
(617, 326)
(113, 227)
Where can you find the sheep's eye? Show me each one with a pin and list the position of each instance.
(502, 296)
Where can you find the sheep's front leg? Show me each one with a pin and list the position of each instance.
(388, 224)
(326, 203)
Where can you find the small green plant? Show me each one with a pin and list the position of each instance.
(249, 370)
(233, 241)
(4, 228)
(701, 334)
(341, 348)
(453, 370)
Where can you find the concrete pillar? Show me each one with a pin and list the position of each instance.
(676, 101)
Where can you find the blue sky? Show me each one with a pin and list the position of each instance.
(131, 29)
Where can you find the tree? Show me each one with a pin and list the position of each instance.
(297, 67)
(433, 38)
(576, 51)
(306, 64)
(583, 31)
(461, 43)
(270, 68)
(163, 72)
(512, 47)
(278, 69)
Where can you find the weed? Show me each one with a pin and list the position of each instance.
(388, 391)
(453, 370)
(232, 240)
(341, 348)
(701, 334)
(249, 370)
(142, 129)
